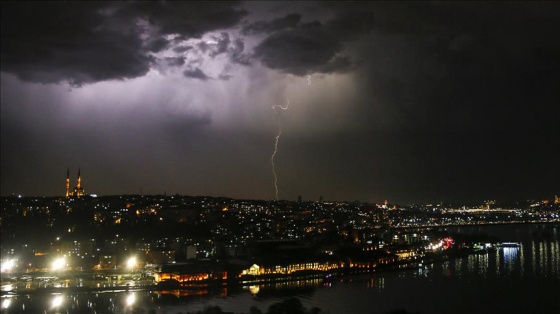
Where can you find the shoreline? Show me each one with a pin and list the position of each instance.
(322, 277)
(486, 224)
(239, 283)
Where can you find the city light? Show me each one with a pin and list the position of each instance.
(131, 262)
(254, 289)
(6, 303)
(8, 287)
(8, 265)
(130, 299)
(57, 301)
(58, 264)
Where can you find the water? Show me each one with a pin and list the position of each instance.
(509, 280)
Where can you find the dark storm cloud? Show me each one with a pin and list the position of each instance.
(439, 100)
(196, 73)
(471, 91)
(449, 65)
(298, 51)
(217, 46)
(175, 61)
(50, 42)
(189, 19)
(181, 49)
(222, 44)
(237, 54)
(156, 45)
(283, 23)
(304, 48)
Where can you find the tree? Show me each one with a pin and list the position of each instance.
(288, 306)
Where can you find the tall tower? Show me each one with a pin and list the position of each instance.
(68, 182)
(79, 184)
(79, 191)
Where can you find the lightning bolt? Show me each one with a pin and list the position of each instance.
(276, 146)
(309, 80)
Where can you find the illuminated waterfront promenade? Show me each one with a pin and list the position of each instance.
(530, 271)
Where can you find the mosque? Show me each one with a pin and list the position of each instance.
(78, 190)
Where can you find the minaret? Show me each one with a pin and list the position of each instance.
(79, 191)
(67, 182)
(79, 185)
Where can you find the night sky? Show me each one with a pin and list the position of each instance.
(409, 102)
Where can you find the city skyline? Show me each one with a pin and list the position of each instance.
(411, 102)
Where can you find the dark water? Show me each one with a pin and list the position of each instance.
(509, 280)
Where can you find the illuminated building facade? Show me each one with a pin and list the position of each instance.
(190, 273)
(287, 269)
(78, 190)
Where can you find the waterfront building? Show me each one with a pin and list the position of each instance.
(291, 268)
(189, 272)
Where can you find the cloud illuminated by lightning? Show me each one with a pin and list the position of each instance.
(276, 146)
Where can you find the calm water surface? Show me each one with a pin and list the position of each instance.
(509, 280)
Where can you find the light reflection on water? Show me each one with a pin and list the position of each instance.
(507, 280)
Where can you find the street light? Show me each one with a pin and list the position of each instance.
(58, 264)
(7, 265)
(131, 262)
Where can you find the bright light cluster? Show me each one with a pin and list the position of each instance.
(59, 263)
(130, 299)
(6, 303)
(7, 265)
(57, 301)
(131, 262)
